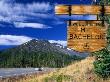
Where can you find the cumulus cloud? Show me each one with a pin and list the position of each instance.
(64, 43)
(13, 39)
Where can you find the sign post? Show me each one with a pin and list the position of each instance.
(85, 36)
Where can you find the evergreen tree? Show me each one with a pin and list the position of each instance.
(102, 62)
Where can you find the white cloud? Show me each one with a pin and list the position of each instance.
(13, 39)
(38, 7)
(33, 25)
(16, 12)
(64, 43)
(18, 40)
(8, 9)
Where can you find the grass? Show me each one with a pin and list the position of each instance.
(81, 71)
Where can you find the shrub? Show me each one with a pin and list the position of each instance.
(102, 63)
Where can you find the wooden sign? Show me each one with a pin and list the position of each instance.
(61, 9)
(86, 36)
(81, 9)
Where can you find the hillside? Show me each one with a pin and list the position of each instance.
(81, 71)
(37, 53)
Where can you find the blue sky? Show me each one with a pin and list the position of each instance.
(23, 20)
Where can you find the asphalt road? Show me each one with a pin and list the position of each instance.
(10, 72)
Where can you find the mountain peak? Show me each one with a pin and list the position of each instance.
(36, 40)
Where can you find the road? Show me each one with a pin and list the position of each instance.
(10, 72)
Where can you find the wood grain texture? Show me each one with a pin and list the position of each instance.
(87, 38)
(81, 9)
